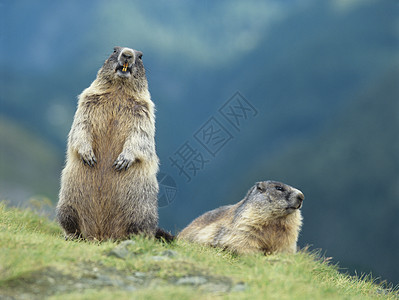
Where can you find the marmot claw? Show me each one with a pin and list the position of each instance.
(123, 163)
(89, 158)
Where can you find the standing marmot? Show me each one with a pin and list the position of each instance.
(109, 186)
(267, 220)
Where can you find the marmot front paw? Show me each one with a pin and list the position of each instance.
(123, 162)
(88, 158)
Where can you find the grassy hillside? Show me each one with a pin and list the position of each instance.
(36, 263)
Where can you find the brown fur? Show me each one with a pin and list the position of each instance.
(267, 220)
(108, 186)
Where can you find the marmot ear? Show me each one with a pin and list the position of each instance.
(139, 54)
(260, 186)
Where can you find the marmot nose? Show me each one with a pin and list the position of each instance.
(300, 197)
(127, 56)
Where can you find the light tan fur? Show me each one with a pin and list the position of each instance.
(109, 186)
(267, 220)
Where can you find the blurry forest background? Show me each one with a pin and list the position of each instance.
(318, 82)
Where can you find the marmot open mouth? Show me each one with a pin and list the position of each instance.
(124, 70)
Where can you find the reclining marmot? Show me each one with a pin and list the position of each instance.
(267, 220)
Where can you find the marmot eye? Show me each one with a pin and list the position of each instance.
(279, 188)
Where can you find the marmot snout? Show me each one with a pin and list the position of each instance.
(125, 65)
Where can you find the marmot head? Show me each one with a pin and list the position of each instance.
(124, 66)
(273, 199)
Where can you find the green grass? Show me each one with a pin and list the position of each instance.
(36, 262)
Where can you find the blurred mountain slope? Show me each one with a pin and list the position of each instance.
(30, 166)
